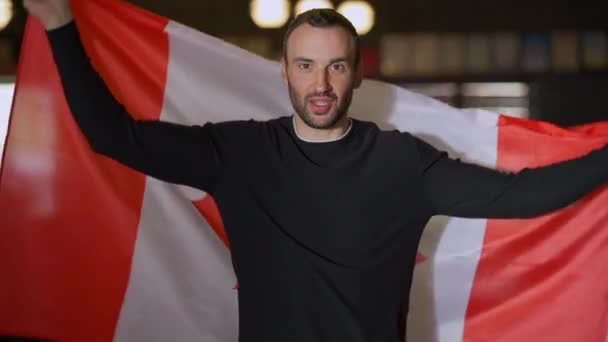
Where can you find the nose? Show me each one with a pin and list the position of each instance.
(322, 84)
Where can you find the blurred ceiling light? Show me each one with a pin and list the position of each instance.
(6, 13)
(360, 13)
(305, 5)
(269, 13)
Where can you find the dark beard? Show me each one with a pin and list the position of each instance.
(300, 108)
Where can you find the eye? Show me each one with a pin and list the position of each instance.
(338, 67)
(304, 66)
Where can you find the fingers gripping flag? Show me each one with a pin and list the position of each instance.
(94, 251)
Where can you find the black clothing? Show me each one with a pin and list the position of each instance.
(323, 235)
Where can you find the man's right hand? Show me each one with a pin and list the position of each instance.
(52, 13)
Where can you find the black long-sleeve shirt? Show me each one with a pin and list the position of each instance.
(323, 235)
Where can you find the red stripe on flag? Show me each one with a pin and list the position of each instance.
(544, 279)
(209, 210)
(69, 216)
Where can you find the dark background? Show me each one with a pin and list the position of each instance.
(564, 98)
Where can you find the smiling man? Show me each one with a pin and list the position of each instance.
(323, 212)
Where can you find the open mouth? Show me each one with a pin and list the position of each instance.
(320, 104)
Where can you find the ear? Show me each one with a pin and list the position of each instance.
(358, 75)
(284, 70)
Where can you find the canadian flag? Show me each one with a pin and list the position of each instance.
(93, 251)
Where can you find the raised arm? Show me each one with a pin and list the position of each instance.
(460, 189)
(174, 153)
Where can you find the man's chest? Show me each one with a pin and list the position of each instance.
(344, 214)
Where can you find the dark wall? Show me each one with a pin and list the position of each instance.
(232, 17)
(488, 15)
(566, 100)
(570, 100)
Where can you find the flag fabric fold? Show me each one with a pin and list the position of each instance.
(91, 250)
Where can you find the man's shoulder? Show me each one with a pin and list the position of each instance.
(246, 130)
(247, 124)
(384, 132)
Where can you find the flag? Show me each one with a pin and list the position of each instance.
(94, 251)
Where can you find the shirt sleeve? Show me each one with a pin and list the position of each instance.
(455, 188)
(174, 153)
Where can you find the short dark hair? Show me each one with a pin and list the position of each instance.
(323, 17)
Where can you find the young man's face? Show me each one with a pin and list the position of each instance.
(320, 71)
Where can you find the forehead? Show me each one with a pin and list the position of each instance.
(319, 42)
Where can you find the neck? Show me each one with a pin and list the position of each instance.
(311, 134)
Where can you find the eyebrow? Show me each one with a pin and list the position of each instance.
(302, 59)
(332, 61)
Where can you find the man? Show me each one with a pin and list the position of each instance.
(323, 212)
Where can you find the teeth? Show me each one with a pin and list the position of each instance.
(321, 103)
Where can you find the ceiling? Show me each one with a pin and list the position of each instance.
(232, 17)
